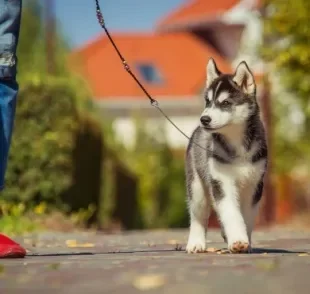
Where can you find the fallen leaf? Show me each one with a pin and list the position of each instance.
(222, 251)
(303, 254)
(148, 282)
(212, 249)
(225, 251)
(73, 244)
(88, 245)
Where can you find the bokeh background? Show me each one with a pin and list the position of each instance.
(89, 151)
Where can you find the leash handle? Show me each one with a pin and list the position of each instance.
(153, 101)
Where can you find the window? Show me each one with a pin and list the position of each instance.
(150, 73)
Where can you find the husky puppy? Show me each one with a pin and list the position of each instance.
(226, 160)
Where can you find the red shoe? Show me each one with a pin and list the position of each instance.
(10, 249)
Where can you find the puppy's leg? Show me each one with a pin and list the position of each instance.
(249, 217)
(226, 199)
(251, 206)
(199, 211)
(223, 234)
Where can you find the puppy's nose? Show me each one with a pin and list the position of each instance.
(205, 120)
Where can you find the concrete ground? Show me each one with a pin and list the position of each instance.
(155, 262)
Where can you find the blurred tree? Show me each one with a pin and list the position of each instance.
(32, 45)
(30, 48)
(287, 51)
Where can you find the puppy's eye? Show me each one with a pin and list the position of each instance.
(225, 103)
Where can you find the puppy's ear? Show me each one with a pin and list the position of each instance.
(244, 78)
(212, 72)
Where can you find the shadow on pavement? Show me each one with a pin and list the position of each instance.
(274, 250)
(255, 251)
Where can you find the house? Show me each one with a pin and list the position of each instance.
(171, 64)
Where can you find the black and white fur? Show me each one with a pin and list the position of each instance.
(227, 173)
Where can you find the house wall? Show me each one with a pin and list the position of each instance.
(125, 130)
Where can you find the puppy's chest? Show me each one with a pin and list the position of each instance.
(240, 168)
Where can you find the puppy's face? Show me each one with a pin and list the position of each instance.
(229, 99)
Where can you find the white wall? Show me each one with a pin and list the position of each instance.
(125, 130)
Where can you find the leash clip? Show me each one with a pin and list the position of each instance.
(154, 103)
(126, 66)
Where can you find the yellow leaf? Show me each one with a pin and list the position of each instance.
(303, 254)
(73, 244)
(148, 282)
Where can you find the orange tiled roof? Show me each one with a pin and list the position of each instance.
(180, 58)
(195, 10)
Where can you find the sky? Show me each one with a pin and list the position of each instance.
(77, 18)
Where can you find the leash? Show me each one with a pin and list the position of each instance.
(153, 101)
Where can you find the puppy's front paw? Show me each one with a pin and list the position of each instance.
(196, 245)
(240, 247)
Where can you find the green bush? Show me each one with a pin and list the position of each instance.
(40, 162)
(161, 194)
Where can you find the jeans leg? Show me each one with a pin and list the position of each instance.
(10, 15)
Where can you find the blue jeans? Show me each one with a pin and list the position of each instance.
(10, 15)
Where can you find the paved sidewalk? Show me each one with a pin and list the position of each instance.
(155, 262)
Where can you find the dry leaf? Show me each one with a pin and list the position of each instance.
(73, 243)
(303, 254)
(222, 251)
(148, 282)
(211, 249)
(225, 251)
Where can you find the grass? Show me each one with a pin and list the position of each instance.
(16, 220)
